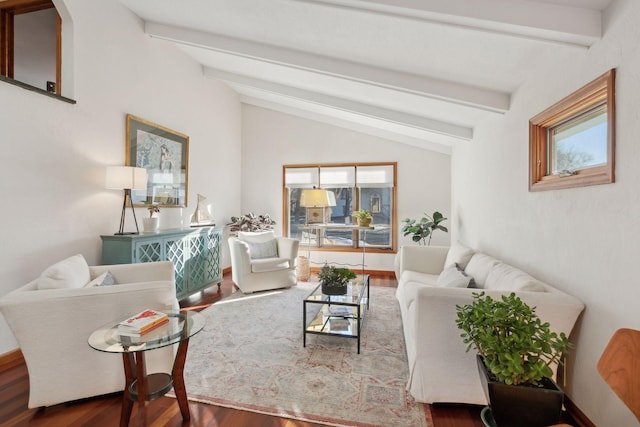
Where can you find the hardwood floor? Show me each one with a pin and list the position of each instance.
(105, 410)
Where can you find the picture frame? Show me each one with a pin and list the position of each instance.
(375, 204)
(164, 153)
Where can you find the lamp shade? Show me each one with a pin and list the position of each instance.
(316, 198)
(126, 178)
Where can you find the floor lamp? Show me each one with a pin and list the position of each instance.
(126, 178)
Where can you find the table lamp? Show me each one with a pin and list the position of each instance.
(126, 178)
(317, 198)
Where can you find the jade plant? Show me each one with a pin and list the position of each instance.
(517, 347)
(422, 230)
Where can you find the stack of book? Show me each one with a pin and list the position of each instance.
(142, 323)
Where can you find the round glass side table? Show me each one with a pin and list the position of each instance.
(139, 386)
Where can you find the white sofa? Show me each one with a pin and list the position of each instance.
(429, 288)
(52, 322)
(261, 261)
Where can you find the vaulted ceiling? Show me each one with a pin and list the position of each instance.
(421, 72)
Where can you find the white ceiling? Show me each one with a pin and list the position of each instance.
(422, 72)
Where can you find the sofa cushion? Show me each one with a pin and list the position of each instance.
(268, 249)
(414, 276)
(72, 272)
(451, 277)
(458, 254)
(479, 267)
(264, 265)
(508, 278)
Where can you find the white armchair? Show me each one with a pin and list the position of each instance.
(52, 327)
(262, 261)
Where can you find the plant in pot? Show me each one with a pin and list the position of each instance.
(516, 352)
(153, 222)
(422, 230)
(334, 280)
(363, 217)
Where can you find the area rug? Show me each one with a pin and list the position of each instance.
(250, 356)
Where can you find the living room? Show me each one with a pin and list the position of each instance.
(580, 239)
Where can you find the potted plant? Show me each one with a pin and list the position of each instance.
(334, 280)
(424, 228)
(515, 353)
(363, 217)
(152, 223)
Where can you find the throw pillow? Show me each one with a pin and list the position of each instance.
(472, 282)
(105, 279)
(507, 278)
(479, 267)
(267, 249)
(458, 254)
(452, 278)
(72, 272)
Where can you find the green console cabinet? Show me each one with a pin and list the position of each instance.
(195, 253)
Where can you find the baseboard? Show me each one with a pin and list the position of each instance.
(11, 359)
(375, 273)
(577, 416)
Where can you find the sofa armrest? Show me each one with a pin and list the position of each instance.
(288, 248)
(423, 259)
(139, 272)
(435, 310)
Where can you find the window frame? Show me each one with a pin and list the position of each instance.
(599, 91)
(8, 10)
(356, 247)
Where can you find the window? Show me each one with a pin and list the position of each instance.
(352, 187)
(572, 143)
(30, 43)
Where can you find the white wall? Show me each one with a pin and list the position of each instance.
(271, 139)
(581, 240)
(54, 154)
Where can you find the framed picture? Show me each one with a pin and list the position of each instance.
(375, 203)
(165, 155)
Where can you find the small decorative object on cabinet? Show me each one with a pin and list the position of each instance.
(202, 215)
(195, 254)
(152, 223)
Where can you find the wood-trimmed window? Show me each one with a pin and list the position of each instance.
(9, 9)
(572, 143)
(354, 186)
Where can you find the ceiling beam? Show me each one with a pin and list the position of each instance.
(521, 18)
(462, 94)
(449, 130)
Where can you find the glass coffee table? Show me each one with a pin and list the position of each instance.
(139, 386)
(339, 315)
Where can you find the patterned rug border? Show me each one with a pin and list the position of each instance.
(425, 409)
(272, 412)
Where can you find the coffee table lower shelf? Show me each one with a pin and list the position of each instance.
(338, 315)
